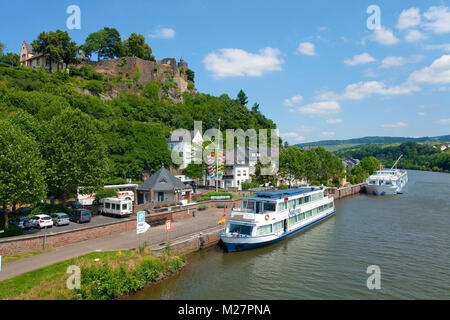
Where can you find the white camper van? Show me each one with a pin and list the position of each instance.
(88, 199)
(116, 207)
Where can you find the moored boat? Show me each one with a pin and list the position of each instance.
(386, 182)
(268, 217)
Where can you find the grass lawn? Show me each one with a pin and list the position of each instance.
(20, 256)
(116, 273)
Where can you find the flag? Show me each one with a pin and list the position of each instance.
(224, 218)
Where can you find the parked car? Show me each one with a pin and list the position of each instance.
(80, 215)
(74, 205)
(60, 219)
(41, 221)
(22, 222)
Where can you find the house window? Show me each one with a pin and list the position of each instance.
(38, 62)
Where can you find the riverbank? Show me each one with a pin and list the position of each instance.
(104, 276)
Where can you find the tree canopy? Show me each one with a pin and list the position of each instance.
(106, 43)
(135, 46)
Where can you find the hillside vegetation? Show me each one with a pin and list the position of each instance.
(415, 156)
(127, 134)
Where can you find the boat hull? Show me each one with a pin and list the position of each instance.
(233, 244)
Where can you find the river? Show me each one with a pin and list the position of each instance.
(407, 236)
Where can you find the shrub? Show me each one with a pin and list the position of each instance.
(12, 230)
(95, 86)
(49, 209)
(283, 187)
(106, 193)
(202, 208)
(249, 185)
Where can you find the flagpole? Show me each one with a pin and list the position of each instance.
(217, 162)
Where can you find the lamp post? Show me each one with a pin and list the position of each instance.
(217, 160)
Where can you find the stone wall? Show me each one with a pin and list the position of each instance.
(35, 243)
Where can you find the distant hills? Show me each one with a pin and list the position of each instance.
(334, 145)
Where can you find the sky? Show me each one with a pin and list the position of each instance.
(320, 70)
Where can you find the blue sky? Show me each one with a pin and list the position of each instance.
(314, 67)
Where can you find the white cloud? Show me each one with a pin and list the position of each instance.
(394, 61)
(445, 121)
(163, 33)
(321, 108)
(304, 128)
(360, 59)
(414, 36)
(437, 72)
(409, 18)
(230, 62)
(292, 136)
(307, 48)
(327, 133)
(394, 125)
(293, 101)
(361, 90)
(384, 36)
(444, 46)
(334, 121)
(422, 114)
(438, 19)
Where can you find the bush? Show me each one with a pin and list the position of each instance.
(283, 187)
(95, 86)
(12, 230)
(249, 185)
(48, 210)
(106, 193)
(202, 208)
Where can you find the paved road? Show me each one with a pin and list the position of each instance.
(128, 240)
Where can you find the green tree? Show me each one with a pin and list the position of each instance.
(75, 154)
(242, 97)
(312, 164)
(11, 59)
(190, 75)
(292, 165)
(135, 46)
(56, 46)
(106, 43)
(2, 47)
(370, 164)
(21, 168)
(261, 179)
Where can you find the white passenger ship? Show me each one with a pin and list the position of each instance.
(386, 182)
(268, 217)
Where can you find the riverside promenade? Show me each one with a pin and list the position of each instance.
(155, 237)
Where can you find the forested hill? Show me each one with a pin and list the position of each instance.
(374, 140)
(133, 127)
(415, 156)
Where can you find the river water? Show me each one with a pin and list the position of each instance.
(407, 236)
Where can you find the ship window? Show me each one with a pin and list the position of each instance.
(249, 205)
(278, 226)
(282, 206)
(264, 230)
(293, 220)
(241, 229)
(269, 206)
(291, 204)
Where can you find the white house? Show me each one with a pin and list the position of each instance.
(36, 60)
(186, 148)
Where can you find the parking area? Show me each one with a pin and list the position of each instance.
(97, 220)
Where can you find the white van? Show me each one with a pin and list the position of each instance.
(116, 206)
